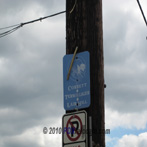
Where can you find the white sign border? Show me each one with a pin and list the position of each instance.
(86, 135)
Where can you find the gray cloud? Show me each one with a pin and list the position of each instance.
(31, 71)
(125, 63)
(31, 87)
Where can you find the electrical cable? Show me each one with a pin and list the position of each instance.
(16, 27)
(41, 18)
(142, 12)
(9, 27)
(9, 32)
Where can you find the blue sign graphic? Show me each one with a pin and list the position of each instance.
(77, 88)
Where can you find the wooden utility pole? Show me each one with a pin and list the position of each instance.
(84, 29)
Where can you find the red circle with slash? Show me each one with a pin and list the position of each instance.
(72, 126)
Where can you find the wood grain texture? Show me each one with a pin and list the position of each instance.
(84, 29)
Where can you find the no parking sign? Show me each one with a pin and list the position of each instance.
(74, 129)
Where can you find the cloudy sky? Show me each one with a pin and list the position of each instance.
(31, 79)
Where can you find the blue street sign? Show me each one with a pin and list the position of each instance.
(77, 87)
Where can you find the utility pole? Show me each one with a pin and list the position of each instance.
(84, 29)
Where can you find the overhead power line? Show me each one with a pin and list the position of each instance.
(9, 32)
(17, 26)
(42, 18)
(9, 27)
(142, 12)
